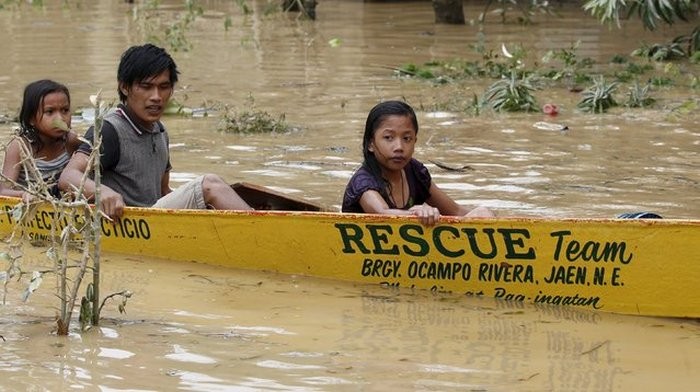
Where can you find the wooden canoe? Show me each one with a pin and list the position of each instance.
(640, 267)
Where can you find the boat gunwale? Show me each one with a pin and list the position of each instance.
(382, 217)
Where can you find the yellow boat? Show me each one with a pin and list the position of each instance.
(647, 267)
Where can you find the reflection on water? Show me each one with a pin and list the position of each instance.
(205, 328)
(199, 328)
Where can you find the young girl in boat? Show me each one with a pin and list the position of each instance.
(44, 121)
(390, 180)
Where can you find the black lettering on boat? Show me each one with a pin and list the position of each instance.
(599, 276)
(501, 293)
(574, 300)
(127, 228)
(381, 268)
(615, 280)
(572, 250)
(567, 275)
(506, 272)
(438, 270)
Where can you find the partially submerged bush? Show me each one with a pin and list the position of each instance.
(638, 96)
(511, 94)
(572, 69)
(598, 98)
(254, 121)
(661, 52)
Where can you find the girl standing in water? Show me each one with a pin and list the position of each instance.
(390, 180)
(44, 120)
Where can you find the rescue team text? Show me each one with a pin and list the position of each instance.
(411, 240)
(486, 243)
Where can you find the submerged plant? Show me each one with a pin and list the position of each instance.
(638, 96)
(648, 11)
(255, 121)
(661, 52)
(599, 97)
(527, 9)
(170, 32)
(511, 94)
(572, 70)
(252, 120)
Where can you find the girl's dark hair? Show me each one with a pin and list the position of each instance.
(32, 103)
(139, 63)
(375, 117)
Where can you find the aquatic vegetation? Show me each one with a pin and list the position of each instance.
(661, 52)
(638, 96)
(660, 81)
(573, 69)
(511, 94)
(648, 11)
(245, 8)
(306, 8)
(252, 120)
(171, 32)
(526, 10)
(426, 71)
(631, 71)
(598, 98)
(492, 65)
(619, 59)
(695, 58)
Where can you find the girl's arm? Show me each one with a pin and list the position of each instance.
(10, 168)
(373, 203)
(447, 206)
(72, 142)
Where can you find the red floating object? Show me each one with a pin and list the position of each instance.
(550, 109)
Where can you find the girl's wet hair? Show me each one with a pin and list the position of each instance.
(32, 104)
(139, 63)
(374, 119)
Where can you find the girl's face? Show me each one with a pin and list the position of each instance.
(54, 110)
(393, 142)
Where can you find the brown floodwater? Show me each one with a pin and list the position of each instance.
(200, 328)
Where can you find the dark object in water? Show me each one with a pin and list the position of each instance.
(639, 215)
(451, 167)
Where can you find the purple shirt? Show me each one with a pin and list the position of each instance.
(417, 177)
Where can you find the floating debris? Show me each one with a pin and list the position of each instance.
(451, 167)
(548, 126)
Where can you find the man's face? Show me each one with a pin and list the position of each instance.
(147, 99)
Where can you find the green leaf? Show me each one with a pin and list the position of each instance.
(334, 42)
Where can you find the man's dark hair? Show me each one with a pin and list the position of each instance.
(139, 63)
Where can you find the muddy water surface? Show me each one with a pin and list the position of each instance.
(194, 327)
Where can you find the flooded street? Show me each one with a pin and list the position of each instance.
(200, 328)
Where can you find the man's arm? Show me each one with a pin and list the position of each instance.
(73, 173)
(111, 202)
(165, 184)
